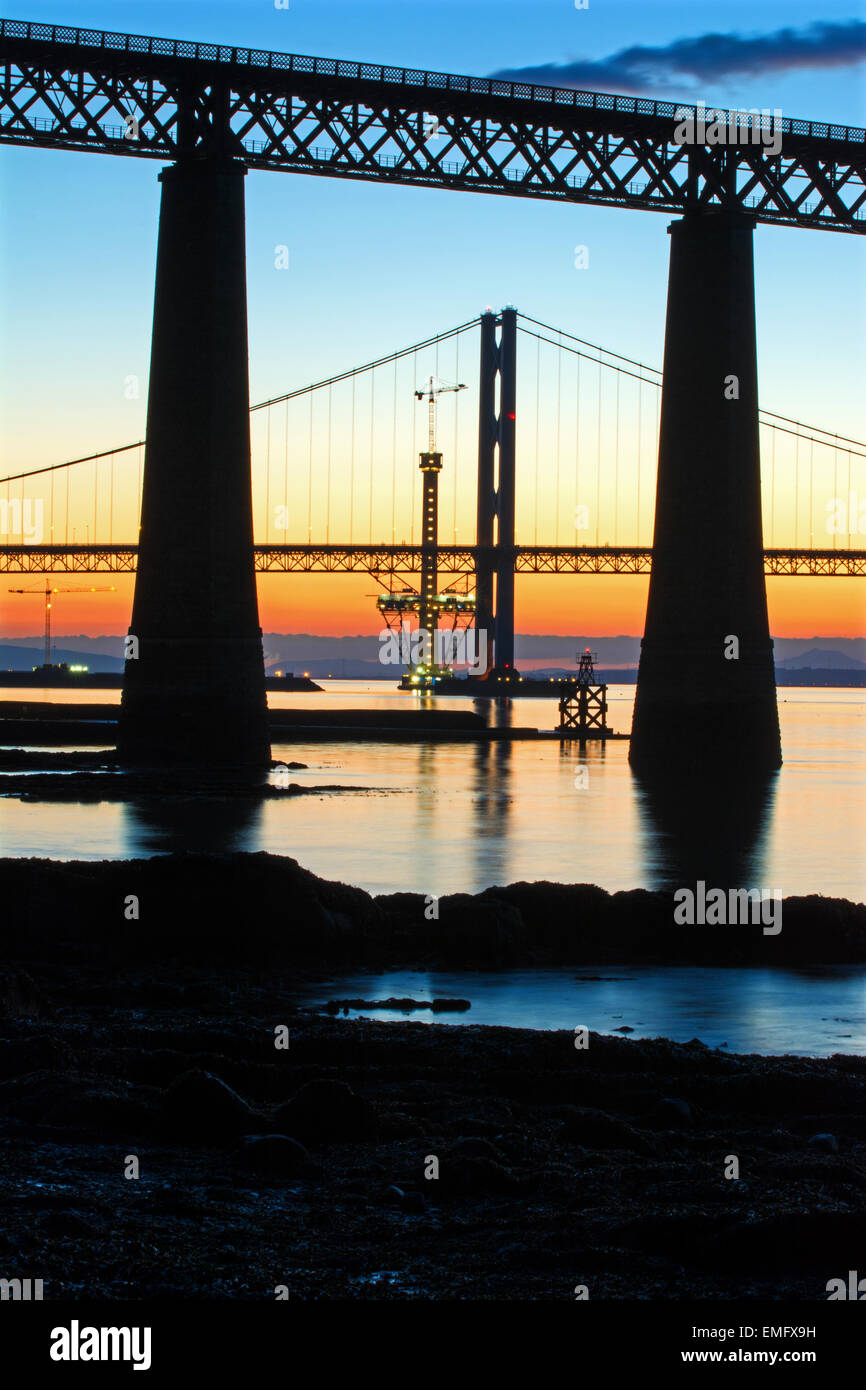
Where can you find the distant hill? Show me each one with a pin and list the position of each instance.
(14, 658)
(820, 659)
(355, 657)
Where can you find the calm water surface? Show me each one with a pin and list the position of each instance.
(444, 818)
(804, 1012)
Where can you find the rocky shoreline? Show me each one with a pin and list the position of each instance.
(281, 1148)
(235, 907)
(305, 1167)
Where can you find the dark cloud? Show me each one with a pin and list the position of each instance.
(708, 58)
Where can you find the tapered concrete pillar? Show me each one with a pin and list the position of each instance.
(706, 691)
(195, 691)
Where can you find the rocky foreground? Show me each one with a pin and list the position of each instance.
(276, 1147)
(267, 909)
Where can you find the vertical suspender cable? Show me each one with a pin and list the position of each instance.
(372, 416)
(796, 491)
(537, 419)
(310, 478)
(267, 535)
(848, 502)
(394, 462)
(352, 468)
(773, 488)
(414, 422)
(639, 406)
(558, 430)
(577, 443)
(811, 523)
(616, 470)
(286, 469)
(328, 494)
(598, 457)
(456, 433)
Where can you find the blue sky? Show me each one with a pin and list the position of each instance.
(376, 267)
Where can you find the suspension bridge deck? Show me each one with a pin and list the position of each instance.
(335, 558)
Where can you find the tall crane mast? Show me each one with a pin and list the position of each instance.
(48, 591)
(431, 466)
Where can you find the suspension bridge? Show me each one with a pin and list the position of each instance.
(335, 481)
(585, 496)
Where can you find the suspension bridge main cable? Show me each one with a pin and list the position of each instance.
(274, 400)
(654, 378)
(657, 373)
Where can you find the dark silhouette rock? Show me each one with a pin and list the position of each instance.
(326, 1111)
(272, 1155)
(671, 1112)
(593, 1129)
(826, 1142)
(199, 1104)
(19, 996)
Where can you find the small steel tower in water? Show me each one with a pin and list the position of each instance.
(583, 702)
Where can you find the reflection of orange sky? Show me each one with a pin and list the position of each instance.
(339, 605)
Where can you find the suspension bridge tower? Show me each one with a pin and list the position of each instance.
(495, 523)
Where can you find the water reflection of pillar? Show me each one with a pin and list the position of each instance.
(711, 829)
(221, 825)
(491, 810)
(499, 713)
(428, 874)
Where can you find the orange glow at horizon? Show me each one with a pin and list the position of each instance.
(344, 605)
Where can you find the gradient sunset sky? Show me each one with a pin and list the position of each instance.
(374, 268)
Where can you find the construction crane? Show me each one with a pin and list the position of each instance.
(48, 591)
(433, 389)
(431, 466)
